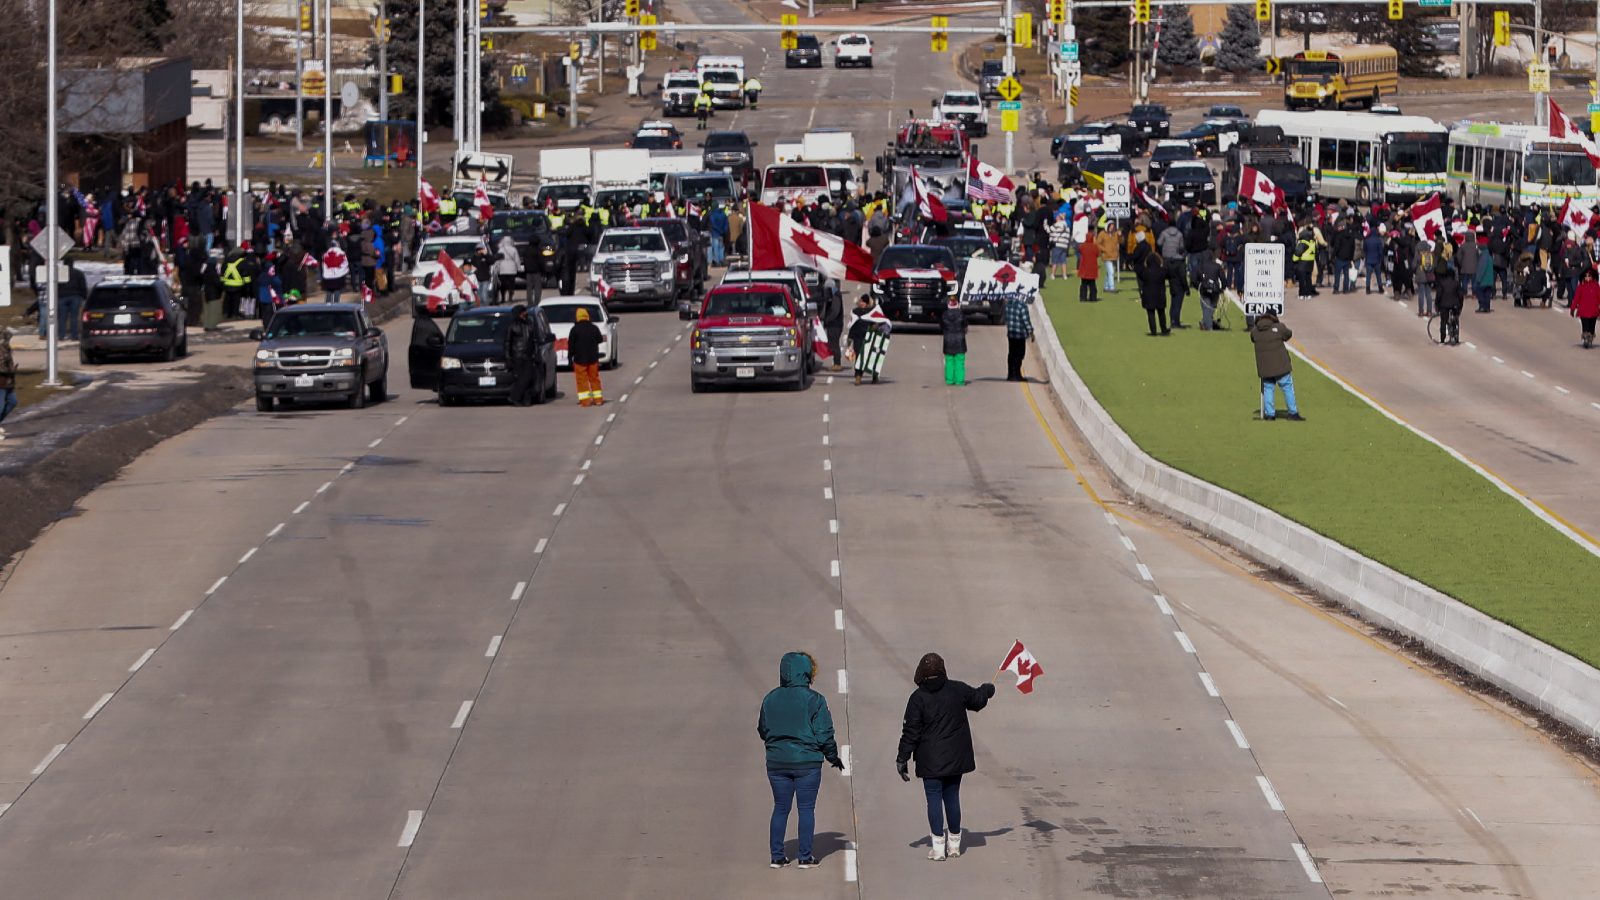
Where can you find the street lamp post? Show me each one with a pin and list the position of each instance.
(383, 61)
(299, 77)
(327, 110)
(238, 124)
(422, 120)
(461, 47)
(52, 207)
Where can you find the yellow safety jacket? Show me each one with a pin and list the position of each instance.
(752, 84)
(231, 276)
(605, 216)
(702, 101)
(705, 87)
(1004, 210)
(556, 221)
(1305, 251)
(447, 206)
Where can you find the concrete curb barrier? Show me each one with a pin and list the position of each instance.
(1549, 680)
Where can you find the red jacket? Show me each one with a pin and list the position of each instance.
(1586, 302)
(1088, 260)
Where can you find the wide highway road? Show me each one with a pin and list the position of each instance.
(486, 652)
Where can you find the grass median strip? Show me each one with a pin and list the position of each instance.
(1192, 400)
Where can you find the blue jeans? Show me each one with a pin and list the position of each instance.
(718, 253)
(1342, 282)
(1111, 275)
(1236, 275)
(786, 784)
(8, 402)
(1374, 270)
(1269, 407)
(1484, 293)
(944, 802)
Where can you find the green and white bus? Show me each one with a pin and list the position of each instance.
(1366, 156)
(1517, 165)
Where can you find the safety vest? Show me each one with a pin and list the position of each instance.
(752, 84)
(447, 206)
(702, 101)
(705, 87)
(1004, 210)
(556, 221)
(231, 276)
(585, 213)
(605, 216)
(1305, 251)
(350, 206)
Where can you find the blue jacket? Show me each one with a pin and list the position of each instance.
(1373, 248)
(719, 222)
(795, 723)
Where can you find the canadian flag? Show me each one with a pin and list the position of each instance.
(1563, 128)
(1259, 189)
(1575, 218)
(453, 271)
(819, 340)
(1144, 199)
(335, 264)
(985, 182)
(308, 262)
(778, 242)
(367, 296)
(427, 196)
(928, 206)
(480, 199)
(1428, 217)
(1021, 662)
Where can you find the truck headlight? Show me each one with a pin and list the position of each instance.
(449, 362)
(344, 353)
(263, 354)
(666, 275)
(1211, 185)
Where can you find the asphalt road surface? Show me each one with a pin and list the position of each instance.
(428, 652)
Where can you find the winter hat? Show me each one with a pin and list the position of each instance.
(931, 666)
(583, 314)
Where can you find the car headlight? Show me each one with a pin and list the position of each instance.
(263, 354)
(1211, 185)
(344, 353)
(449, 362)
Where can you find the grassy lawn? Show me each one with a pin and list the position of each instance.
(1191, 400)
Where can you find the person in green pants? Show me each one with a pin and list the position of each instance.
(953, 323)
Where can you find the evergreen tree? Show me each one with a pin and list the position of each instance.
(1179, 45)
(1102, 39)
(1239, 45)
(439, 67)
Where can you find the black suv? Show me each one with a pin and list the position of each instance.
(1133, 140)
(730, 151)
(1166, 153)
(469, 362)
(807, 52)
(688, 254)
(1151, 119)
(132, 315)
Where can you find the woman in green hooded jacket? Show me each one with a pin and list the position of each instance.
(798, 731)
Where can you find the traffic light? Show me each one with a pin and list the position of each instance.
(305, 17)
(1502, 28)
(630, 8)
(483, 9)
(1397, 9)
(574, 50)
(647, 39)
(1058, 11)
(1263, 10)
(941, 38)
(1141, 11)
(1022, 30)
(380, 30)
(397, 84)
(790, 38)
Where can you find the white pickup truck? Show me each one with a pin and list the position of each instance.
(964, 108)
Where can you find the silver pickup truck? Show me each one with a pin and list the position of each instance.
(328, 351)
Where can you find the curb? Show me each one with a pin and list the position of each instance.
(1549, 680)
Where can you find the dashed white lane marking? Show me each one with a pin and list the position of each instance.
(639, 379)
(830, 379)
(1238, 734)
(461, 714)
(1336, 701)
(665, 350)
(325, 486)
(413, 825)
(1271, 795)
(1188, 645)
(833, 568)
(1161, 604)
(6, 806)
(401, 420)
(345, 469)
(824, 440)
(677, 337)
(850, 863)
(824, 418)
(539, 547)
(1562, 390)
(586, 464)
(844, 682)
(844, 757)
(1144, 572)
(833, 526)
(301, 508)
(827, 493)
(143, 658)
(48, 759)
(181, 619)
(494, 646)
(1306, 863)
(611, 418)
(623, 399)
(275, 529)
(578, 480)
(98, 705)
(1211, 686)
(1127, 542)
(218, 583)
(838, 620)
(1595, 405)
(1527, 374)
(825, 398)
(1471, 346)
(1498, 360)
(827, 465)
(374, 443)
(599, 439)
(560, 508)
(1475, 817)
(516, 592)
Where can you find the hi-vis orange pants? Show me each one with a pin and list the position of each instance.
(588, 377)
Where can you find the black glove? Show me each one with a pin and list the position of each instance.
(900, 766)
(837, 763)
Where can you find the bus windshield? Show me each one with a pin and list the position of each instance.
(1426, 155)
(1313, 69)
(1557, 168)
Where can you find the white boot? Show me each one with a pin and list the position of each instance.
(937, 853)
(954, 844)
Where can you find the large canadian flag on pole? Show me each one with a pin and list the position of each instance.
(1428, 217)
(1259, 189)
(929, 206)
(1577, 218)
(1563, 128)
(778, 242)
(1021, 662)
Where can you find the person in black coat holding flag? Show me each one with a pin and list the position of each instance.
(936, 732)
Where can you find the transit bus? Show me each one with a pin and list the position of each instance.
(1517, 165)
(1333, 79)
(1365, 156)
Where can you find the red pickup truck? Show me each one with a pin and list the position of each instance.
(750, 332)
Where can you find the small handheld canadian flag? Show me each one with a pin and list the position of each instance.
(1021, 662)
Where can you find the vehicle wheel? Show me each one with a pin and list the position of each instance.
(171, 353)
(87, 358)
(378, 391)
(869, 63)
(446, 400)
(549, 392)
(670, 303)
(799, 382)
(696, 386)
(183, 348)
(683, 316)
(263, 404)
(358, 397)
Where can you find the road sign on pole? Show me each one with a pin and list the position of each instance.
(1010, 88)
(493, 169)
(1010, 114)
(1119, 194)
(1539, 78)
(1069, 51)
(1263, 279)
(40, 244)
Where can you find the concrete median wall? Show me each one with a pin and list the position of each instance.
(1539, 675)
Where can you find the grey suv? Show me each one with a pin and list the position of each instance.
(321, 352)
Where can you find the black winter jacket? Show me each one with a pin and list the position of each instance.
(953, 323)
(520, 340)
(935, 730)
(583, 344)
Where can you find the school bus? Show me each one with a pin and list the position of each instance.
(1334, 79)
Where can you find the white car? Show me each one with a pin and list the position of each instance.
(460, 248)
(854, 49)
(562, 314)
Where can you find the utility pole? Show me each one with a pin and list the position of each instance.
(238, 125)
(600, 51)
(1540, 108)
(383, 60)
(422, 118)
(1011, 72)
(475, 82)
(299, 76)
(327, 110)
(52, 207)
(460, 112)
(1072, 31)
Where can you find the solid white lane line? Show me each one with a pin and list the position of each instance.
(599, 439)
(838, 620)
(325, 486)
(1475, 817)
(578, 480)
(844, 682)
(1271, 795)
(98, 705)
(1562, 390)
(850, 864)
(1211, 686)
(1188, 645)
(516, 592)
(1336, 700)
(374, 443)
(181, 619)
(827, 465)
(833, 526)
(275, 529)
(834, 568)
(461, 714)
(539, 547)
(560, 508)
(48, 759)
(1144, 572)
(844, 757)
(413, 825)
(587, 463)
(218, 583)
(401, 420)
(1306, 863)
(1126, 542)
(1161, 604)
(827, 493)
(301, 508)
(494, 647)
(1238, 734)
(1526, 373)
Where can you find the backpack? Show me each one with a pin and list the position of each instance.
(1426, 260)
(1210, 285)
